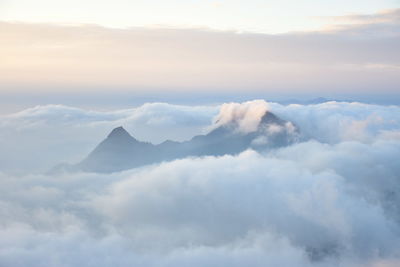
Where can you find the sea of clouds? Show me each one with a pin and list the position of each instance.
(332, 199)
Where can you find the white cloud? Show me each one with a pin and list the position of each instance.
(304, 200)
(334, 122)
(333, 200)
(244, 116)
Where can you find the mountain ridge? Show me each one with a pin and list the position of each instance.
(121, 151)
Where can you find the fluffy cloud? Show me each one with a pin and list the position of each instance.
(333, 200)
(334, 122)
(303, 205)
(246, 116)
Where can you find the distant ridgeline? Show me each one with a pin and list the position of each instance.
(120, 151)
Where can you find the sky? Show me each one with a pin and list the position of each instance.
(71, 71)
(110, 53)
(255, 15)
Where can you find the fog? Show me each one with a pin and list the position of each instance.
(330, 199)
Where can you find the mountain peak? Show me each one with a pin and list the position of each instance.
(119, 132)
(271, 118)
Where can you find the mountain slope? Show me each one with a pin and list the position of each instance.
(118, 151)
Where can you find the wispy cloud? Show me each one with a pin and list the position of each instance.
(88, 57)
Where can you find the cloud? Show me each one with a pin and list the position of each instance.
(389, 16)
(334, 122)
(146, 60)
(235, 196)
(247, 116)
(333, 200)
(44, 136)
(306, 205)
(38, 138)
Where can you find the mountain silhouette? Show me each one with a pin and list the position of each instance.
(121, 151)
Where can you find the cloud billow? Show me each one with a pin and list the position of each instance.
(330, 200)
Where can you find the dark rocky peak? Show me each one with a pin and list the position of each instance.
(120, 134)
(271, 118)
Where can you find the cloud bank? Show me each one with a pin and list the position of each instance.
(36, 138)
(331, 200)
(40, 137)
(363, 57)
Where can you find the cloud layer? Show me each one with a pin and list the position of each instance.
(361, 57)
(39, 137)
(333, 200)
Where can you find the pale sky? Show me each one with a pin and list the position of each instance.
(241, 15)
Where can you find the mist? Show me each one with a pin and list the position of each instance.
(332, 198)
